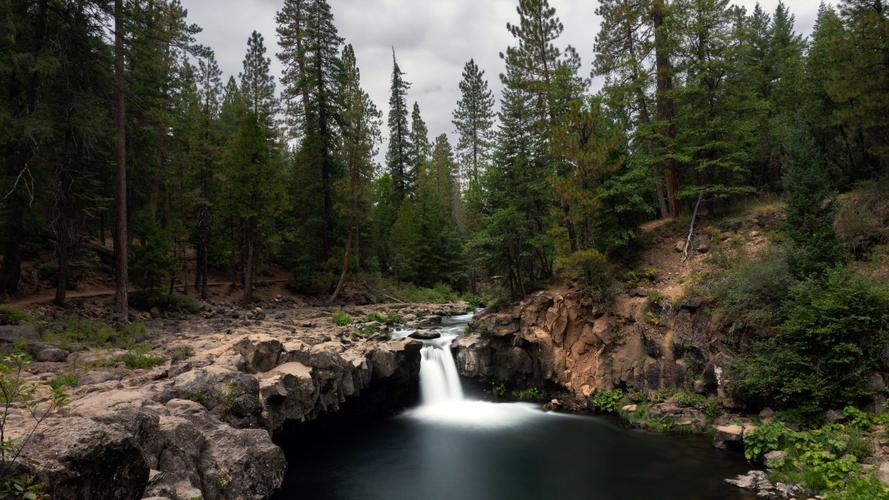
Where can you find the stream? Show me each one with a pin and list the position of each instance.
(457, 446)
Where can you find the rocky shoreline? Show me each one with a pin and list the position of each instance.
(209, 425)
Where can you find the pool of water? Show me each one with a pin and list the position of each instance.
(476, 450)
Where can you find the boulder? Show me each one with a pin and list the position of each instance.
(51, 354)
(629, 409)
(81, 458)
(425, 335)
(728, 436)
(774, 458)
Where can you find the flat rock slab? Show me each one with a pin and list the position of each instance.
(425, 335)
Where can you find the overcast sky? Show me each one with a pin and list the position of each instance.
(433, 40)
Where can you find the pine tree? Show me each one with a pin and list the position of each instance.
(360, 126)
(398, 159)
(291, 28)
(257, 86)
(474, 121)
(815, 247)
(420, 150)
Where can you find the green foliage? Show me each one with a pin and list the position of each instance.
(641, 276)
(176, 302)
(178, 354)
(751, 293)
(152, 262)
(825, 459)
(498, 390)
(68, 330)
(815, 247)
(866, 487)
(592, 267)
(608, 401)
(529, 394)
(825, 349)
(710, 406)
(60, 381)
(17, 392)
(139, 359)
(341, 318)
(14, 316)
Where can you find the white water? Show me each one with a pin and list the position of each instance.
(443, 401)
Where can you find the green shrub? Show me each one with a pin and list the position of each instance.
(498, 390)
(60, 381)
(608, 401)
(340, 318)
(752, 292)
(530, 394)
(824, 351)
(393, 319)
(708, 406)
(178, 354)
(374, 318)
(152, 260)
(592, 267)
(139, 361)
(641, 276)
(865, 487)
(66, 331)
(10, 315)
(474, 301)
(176, 302)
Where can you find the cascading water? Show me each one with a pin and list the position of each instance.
(439, 380)
(443, 401)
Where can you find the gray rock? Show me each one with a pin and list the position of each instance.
(98, 377)
(427, 335)
(774, 458)
(52, 354)
(77, 457)
(728, 435)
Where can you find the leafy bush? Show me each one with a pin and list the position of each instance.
(66, 331)
(865, 487)
(474, 301)
(340, 318)
(592, 267)
(709, 406)
(140, 361)
(14, 316)
(752, 292)
(17, 393)
(60, 381)
(821, 460)
(153, 262)
(178, 354)
(530, 394)
(824, 351)
(393, 319)
(176, 302)
(641, 276)
(374, 318)
(608, 401)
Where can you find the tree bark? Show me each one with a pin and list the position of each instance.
(120, 195)
(665, 105)
(342, 281)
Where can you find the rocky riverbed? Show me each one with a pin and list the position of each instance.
(203, 424)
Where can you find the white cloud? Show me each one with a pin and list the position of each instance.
(433, 39)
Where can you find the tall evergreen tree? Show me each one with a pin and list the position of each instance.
(815, 247)
(398, 159)
(474, 121)
(420, 150)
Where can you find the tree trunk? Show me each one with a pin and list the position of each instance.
(665, 105)
(250, 266)
(120, 195)
(339, 286)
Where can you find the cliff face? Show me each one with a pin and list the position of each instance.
(212, 425)
(584, 347)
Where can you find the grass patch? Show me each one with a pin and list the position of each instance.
(137, 361)
(14, 316)
(146, 300)
(340, 318)
(60, 381)
(67, 331)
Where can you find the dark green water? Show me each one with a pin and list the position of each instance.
(470, 450)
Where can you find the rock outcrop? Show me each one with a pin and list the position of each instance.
(206, 426)
(584, 347)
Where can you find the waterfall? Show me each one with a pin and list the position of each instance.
(439, 380)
